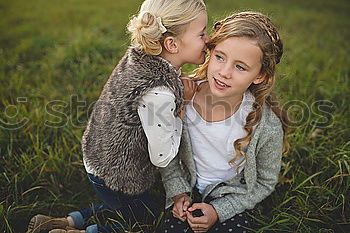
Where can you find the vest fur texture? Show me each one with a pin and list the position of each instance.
(114, 143)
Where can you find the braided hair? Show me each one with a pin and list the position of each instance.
(259, 28)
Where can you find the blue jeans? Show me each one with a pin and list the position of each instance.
(129, 210)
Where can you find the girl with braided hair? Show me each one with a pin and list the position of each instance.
(235, 131)
(136, 124)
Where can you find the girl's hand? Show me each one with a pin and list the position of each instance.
(181, 203)
(190, 87)
(205, 222)
(182, 114)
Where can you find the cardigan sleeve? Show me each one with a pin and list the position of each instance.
(162, 128)
(174, 180)
(174, 177)
(268, 164)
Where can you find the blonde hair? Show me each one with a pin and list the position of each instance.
(259, 28)
(160, 18)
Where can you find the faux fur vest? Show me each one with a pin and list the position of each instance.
(114, 143)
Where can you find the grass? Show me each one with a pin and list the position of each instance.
(55, 57)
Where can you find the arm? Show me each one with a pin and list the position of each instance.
(174, 180)
(162, 128)
(176, 188)
(174, 176)
(268, 163)
(176, 183)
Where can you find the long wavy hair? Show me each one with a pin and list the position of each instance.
(257, 27)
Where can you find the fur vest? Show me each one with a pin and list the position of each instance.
(114, 144)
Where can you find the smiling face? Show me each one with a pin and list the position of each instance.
(234, 65)
(192, 44)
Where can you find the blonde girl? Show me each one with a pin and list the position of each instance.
(235, 134)
(135, 125)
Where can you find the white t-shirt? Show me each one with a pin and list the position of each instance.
(212, 143)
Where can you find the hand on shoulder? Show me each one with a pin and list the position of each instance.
(190, 88)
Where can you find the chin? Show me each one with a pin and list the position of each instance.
(200, 63)
(214, 91)
(201, 60)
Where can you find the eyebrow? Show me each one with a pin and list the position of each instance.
(221, 52)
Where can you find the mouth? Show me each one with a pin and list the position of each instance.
(220, 84)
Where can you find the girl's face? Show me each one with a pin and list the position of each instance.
(192, 44)
(234, 65)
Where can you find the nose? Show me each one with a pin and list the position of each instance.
(206, 38)
(226, 71)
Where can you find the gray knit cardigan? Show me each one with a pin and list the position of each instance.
(114, 144)
(233, 196)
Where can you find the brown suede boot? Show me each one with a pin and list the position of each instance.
(67, 230)
(45, 223)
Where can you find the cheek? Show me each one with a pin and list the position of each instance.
(244, 82)
(213, 65)
(200, 43)
(210, 68)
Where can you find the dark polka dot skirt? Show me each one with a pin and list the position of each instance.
(237, 224)
(240, 223)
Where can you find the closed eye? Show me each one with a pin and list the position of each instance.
(204, 32)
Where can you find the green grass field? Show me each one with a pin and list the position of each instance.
(55, 57)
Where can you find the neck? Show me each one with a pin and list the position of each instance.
(228, 104)
(171, 59)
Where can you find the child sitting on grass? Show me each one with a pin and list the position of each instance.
(136, 123)
(231, 153)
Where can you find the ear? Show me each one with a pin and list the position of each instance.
(171, 44)
(259, 79)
